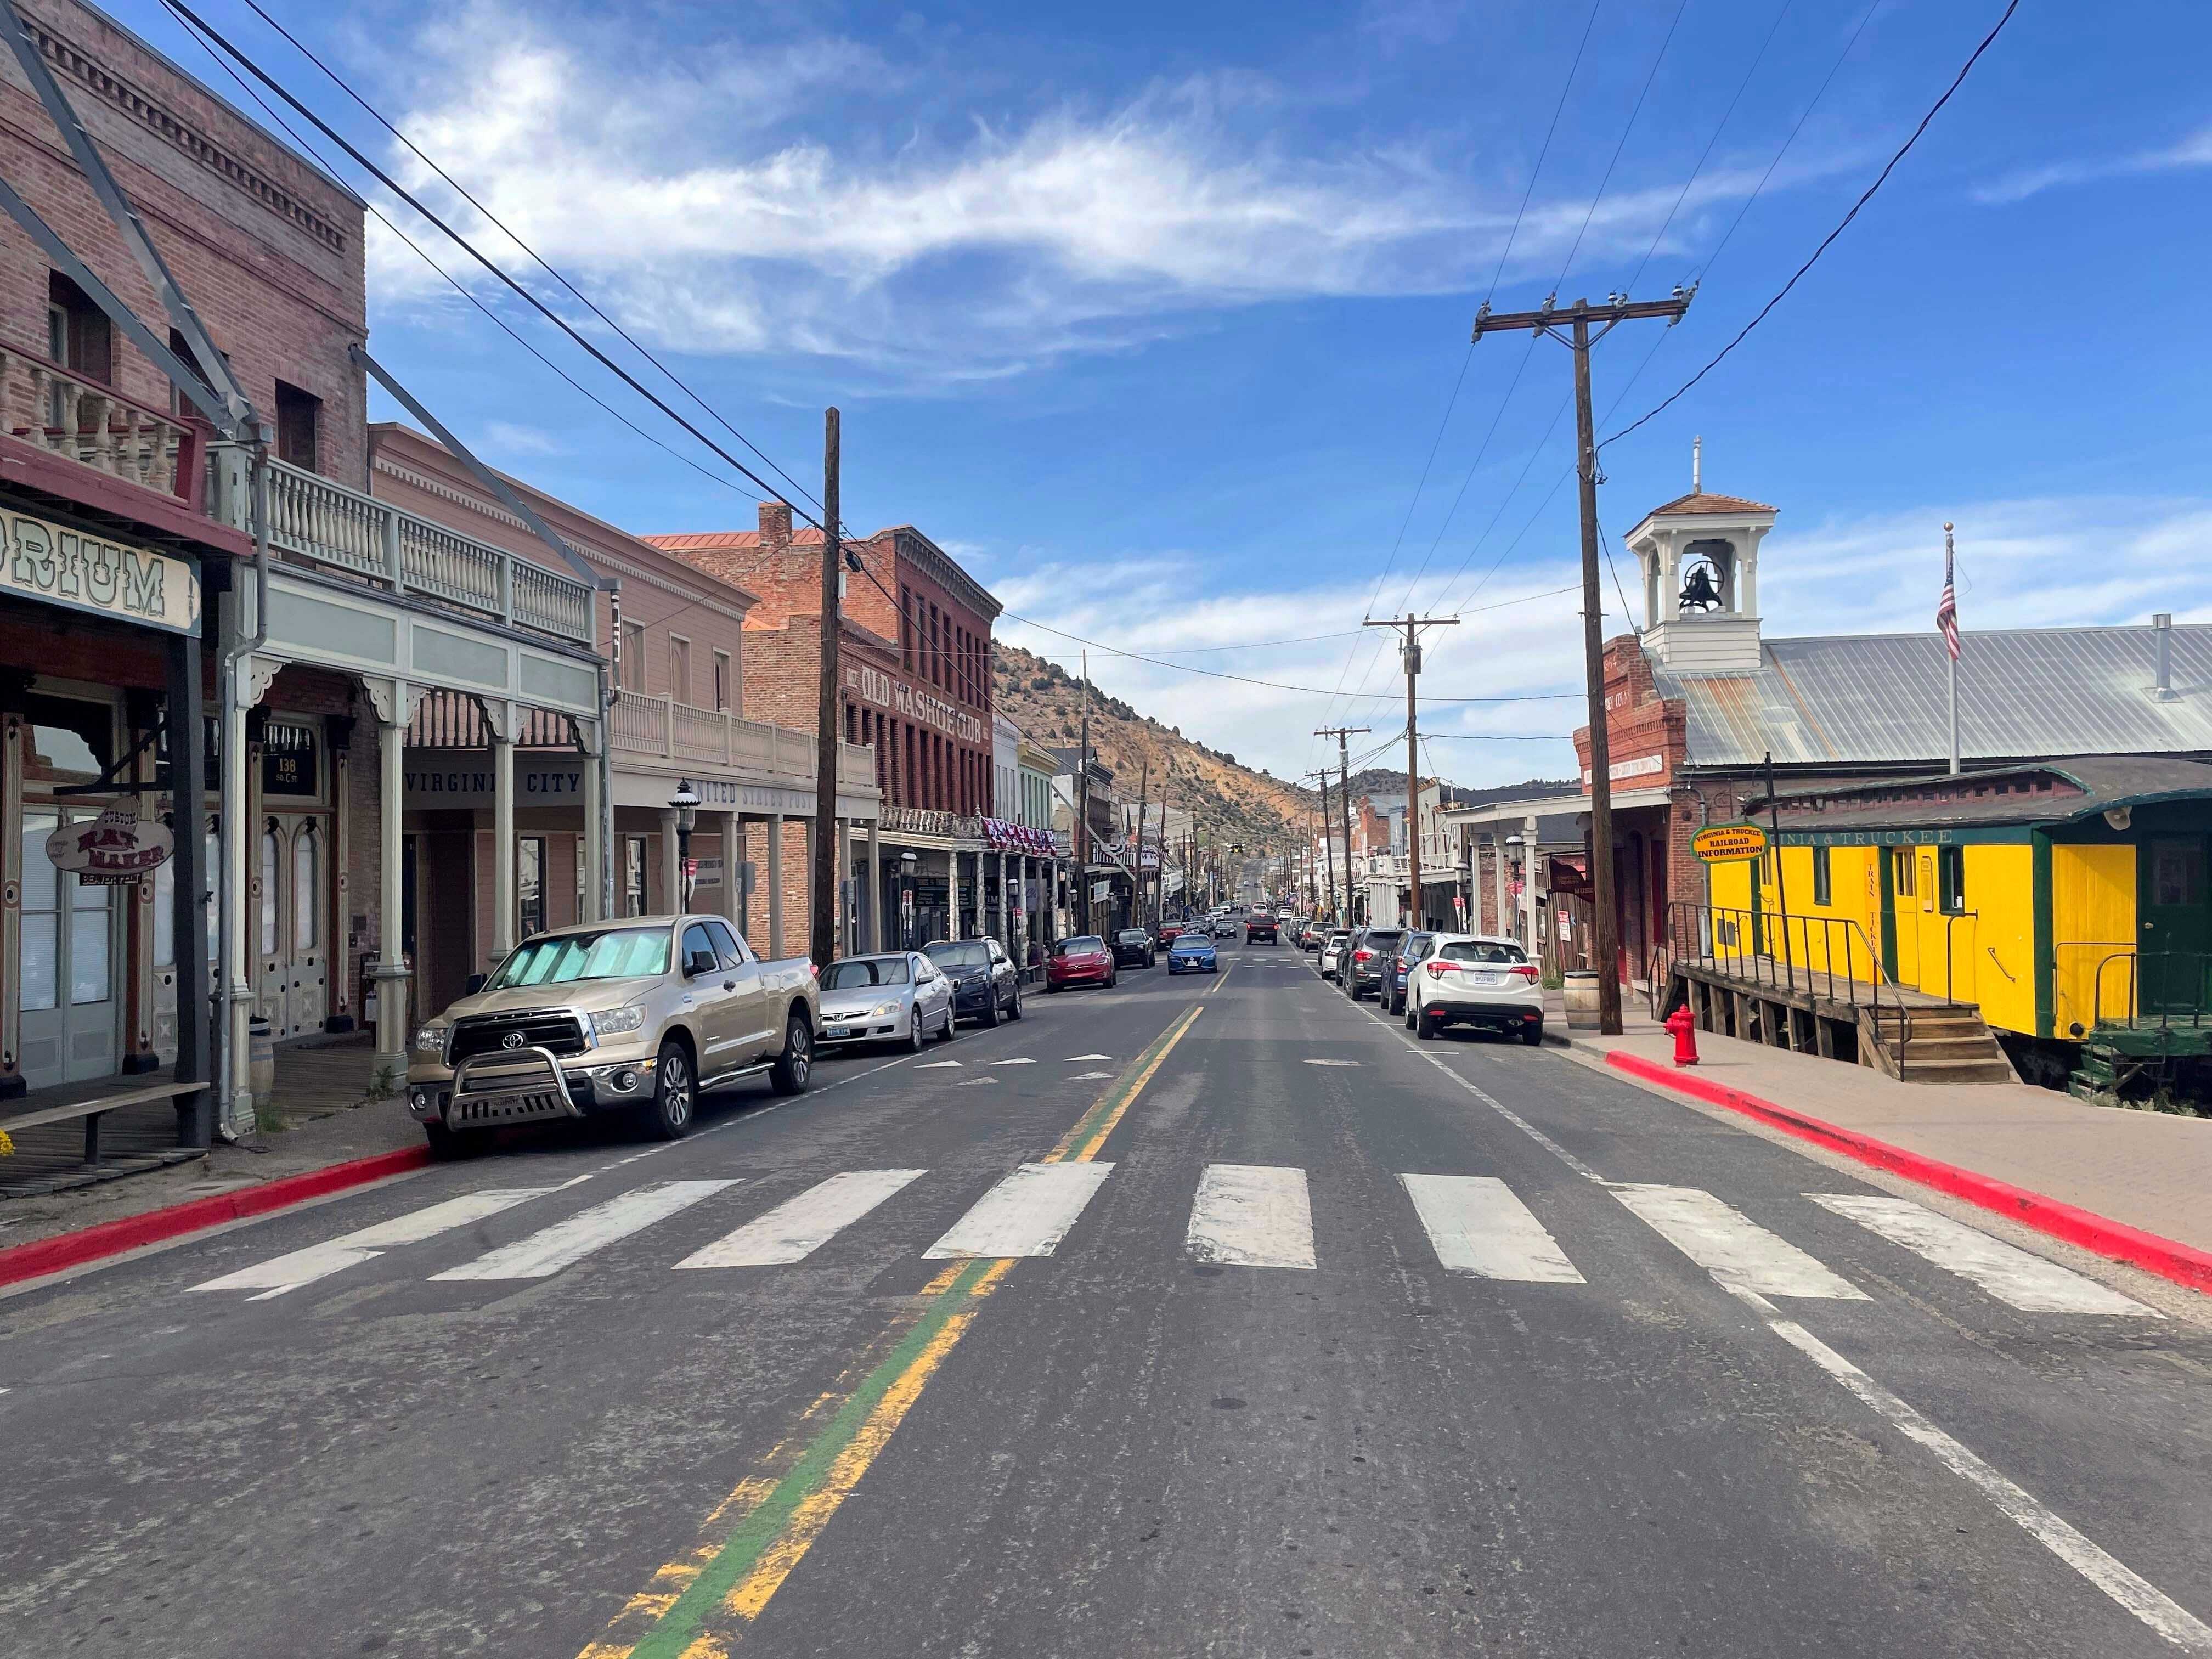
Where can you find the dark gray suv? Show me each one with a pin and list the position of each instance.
(1366, 967)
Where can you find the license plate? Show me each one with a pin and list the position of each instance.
(1490, 979)
(840, 1030)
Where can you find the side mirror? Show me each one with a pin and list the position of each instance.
(701, 962)
(477, 983)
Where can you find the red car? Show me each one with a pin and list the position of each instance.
(1170, 931)
(1083, 959)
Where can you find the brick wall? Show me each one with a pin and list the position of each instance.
(1639, 723)
(268, 251)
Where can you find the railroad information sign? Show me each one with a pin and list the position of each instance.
(1721, 843)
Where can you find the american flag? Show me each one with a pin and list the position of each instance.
(1946, 608)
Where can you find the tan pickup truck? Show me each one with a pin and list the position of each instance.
(637, 1017)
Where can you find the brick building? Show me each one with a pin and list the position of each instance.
(914, 685)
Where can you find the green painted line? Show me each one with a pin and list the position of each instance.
(1088, 1125)
(682, 1622)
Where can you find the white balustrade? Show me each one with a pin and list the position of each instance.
(67, 415)
(673, 731)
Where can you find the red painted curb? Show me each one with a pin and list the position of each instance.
(2169, 1258)
(130, 1232)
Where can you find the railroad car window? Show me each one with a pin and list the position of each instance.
(1951, 880)
(1820, 888)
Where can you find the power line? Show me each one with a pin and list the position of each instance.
(1865, 196)
(1535, 172)
(462, 288)
(330, 133)
(1627, 127)
(376, 115)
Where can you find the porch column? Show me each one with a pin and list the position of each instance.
(187, 712)
(1498, 879)
(15, 735)
(235, 891)
(393, 707)
(732, 869)
(672, 866)
(499, 717)
(594, 847)
(1528, 939)
(875, 887)
(774, 886)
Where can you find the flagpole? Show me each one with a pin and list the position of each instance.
(1952, 654)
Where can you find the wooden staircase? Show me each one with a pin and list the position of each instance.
(1940, 1043)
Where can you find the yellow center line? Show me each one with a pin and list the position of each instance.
(701, 1603)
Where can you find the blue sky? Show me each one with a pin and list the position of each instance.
(1151, 313)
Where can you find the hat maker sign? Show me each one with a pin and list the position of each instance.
(1721, 843)
(113, 850)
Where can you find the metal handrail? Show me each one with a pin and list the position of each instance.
(2167, 1019)
(1704, 927)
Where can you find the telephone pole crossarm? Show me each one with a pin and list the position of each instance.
(1410, 649)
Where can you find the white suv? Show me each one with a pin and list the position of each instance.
(1473, 979)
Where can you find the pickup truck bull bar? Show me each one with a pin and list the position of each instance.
(513, 1097)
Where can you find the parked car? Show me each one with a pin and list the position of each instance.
(1193, 953)
(899, 998)
(1080, 959)
(1332, 946)
(1132, 948)
(1470, 979)
(1411, 949)
(1168, 932)
(638, 1017)
(1260, 928)
(985, 985)
(1311, 935)
(1368, 968)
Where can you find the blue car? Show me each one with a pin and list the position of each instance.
(1192, 952)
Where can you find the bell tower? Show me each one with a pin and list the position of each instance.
(1699, 558)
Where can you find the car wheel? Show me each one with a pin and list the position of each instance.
(667, 1115)
(1426, 1027)
(991, 1010)
(794, 1067)
(1412, 1015)
(1533, 1035)
(451, 1146)
(913, 1037)
(1014, 1004)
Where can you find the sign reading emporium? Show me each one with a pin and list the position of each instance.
(85, 572)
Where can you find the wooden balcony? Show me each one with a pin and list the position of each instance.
(665, 729)
(65, 414)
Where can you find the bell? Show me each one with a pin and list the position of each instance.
(1698, 593)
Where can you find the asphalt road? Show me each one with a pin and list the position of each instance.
(1126, 1335)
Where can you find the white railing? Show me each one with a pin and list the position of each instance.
(677, 731)
(64, 414)
(923, 821)
(313, 517)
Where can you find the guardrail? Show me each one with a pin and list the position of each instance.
(677, 730)
(67, 413)
(314, 518)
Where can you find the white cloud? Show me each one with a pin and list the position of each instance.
(505, 437)
(708, 214)
(2194, 151)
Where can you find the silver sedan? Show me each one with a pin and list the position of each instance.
(899, 998)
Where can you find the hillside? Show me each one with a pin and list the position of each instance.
(1232, 802)
(1380, 781)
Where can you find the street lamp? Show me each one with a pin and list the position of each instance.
(907, 863)
(686, 803)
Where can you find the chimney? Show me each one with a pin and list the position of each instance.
(775, 524)
(2162, 625)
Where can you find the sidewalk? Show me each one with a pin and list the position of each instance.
(2145, 1170)
(318, 1090)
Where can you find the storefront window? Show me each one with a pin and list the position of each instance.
(270, 866)
(41, 923)
(72, 740)
(633, 875)
(307, 888)
(89, 942)
(530, 884)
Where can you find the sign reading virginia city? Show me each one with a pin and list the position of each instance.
(43, 561)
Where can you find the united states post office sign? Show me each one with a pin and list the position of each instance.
(85, 572)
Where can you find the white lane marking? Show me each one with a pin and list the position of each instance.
(548, 1250)
(1479, 1226)
(1013, 1062)
(1332, 1062)
(2133, 1592)
(1028, 1213)
(2006, 1271)
(333, 1255)
(936, 1065)
(1084, 1077)
(975, 1082)
(1072, 1059)
(799, 1226)
(1736, 1250)
(1252, 1215)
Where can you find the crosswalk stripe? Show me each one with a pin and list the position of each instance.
(1028, 1213)
(548, 1250)
(799, 1226)
(1478, 1226)
(1728, 1245)
(2011, 1275)
(297, 1267)
(1252, 1215)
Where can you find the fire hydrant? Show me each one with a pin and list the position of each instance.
(1684, 1024)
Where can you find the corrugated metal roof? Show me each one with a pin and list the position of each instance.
(1865, 699)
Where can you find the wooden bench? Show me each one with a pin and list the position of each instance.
(92, 1110)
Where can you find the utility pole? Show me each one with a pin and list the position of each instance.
(1137, 841)
(1160, 874)
(1328, 853)
(1083, 802)
(821, 883)
(1577, 319)
(1344, 790)
(1410, 649)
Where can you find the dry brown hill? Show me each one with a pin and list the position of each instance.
(1232, 802)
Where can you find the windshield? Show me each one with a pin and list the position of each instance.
(1192, 942)
(966, 954)
(618, 953)
(1133, 936)
(1481, 949)
(1078, 944)
(859, 973)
